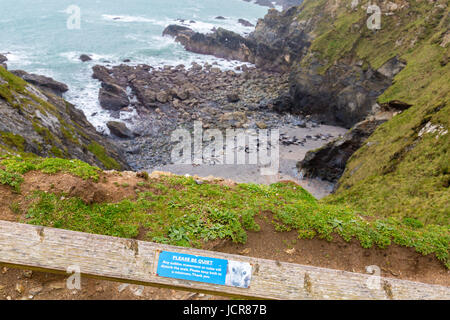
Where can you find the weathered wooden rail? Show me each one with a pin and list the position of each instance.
(131, 261)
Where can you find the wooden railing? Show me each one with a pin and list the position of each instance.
(132, 261)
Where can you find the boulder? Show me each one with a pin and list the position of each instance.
(282, 104)
(162, 96)
(246, 23)
(181, 93)
(119, 129)
(112, 97)
(233, 97)
(85, 58)
(43, 82)
(328, 163)
(101, 73)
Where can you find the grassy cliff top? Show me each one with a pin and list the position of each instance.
(183, 211)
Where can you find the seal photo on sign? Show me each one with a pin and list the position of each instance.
(238, 274)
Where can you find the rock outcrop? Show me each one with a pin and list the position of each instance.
(345, 94)
(85, 58)
(245, 23)
(112, 97)
(285, 4)
(221, 43)
(3, 60)
(328, 163)
(42, 82)
(119, 129)
(339, 92)
(34, 120)
(274, 45)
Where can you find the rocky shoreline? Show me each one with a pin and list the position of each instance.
(150, 103)
(162, 100)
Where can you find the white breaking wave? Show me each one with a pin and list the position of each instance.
(120, 18)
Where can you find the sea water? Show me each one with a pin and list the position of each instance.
(36, 37)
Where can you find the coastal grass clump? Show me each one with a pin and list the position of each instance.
(101, 154)
(179, 211)
(11, 179)
(14, 167)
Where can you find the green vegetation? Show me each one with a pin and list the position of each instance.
(13, 140)
(397, 172)
(15, 167)
(342, 32)
(176, 210)
(100, 152)
(12, 179)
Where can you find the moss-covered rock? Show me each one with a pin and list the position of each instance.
(35, 121)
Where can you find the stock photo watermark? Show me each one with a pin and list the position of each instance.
(374, 21)
(235, 147)
(74, 20)
(374, 281)
(73, 282)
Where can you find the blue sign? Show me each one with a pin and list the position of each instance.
(190, 267)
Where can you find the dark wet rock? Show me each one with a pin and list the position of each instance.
(102, 73)
(112, 97)
(85, 58)
(221, 43)
(395, 105)
(42, 82)
(328, 163)
(246, 23)
(119, 129)
(276, 42)
(282, 104)
(220, 18)
(233, 97)
(344, 95)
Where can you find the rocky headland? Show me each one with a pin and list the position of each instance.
(35, 120)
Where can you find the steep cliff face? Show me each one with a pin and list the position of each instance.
(403, 168)
(348, 65)
(39, 122)
(341, 71)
